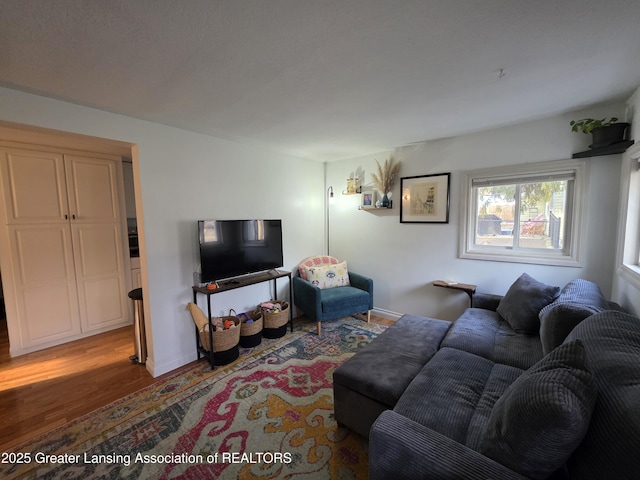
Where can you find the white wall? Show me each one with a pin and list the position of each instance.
(185, 177)
(404, 259)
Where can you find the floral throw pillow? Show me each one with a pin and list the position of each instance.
(328, 276)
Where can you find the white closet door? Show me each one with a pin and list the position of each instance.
(97, 241)
(40, 241)
(66, 242)
(34, 187)
(44, 279)
(100, 275)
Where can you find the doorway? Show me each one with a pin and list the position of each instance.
(15, 136)
(4, 332)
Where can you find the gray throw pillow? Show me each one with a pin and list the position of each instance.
(558, 319)
(523, 301)
(542, 417)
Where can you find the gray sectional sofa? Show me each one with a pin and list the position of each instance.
(538, 383)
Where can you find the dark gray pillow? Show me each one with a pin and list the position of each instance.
(523, 301)
(542, 417)
(578, 300)
(558, 319)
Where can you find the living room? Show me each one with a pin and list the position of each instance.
(183, 176)
(404, 252)
(184, 173)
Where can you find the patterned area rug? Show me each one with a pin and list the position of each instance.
(267, 415)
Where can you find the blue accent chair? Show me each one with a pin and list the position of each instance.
(331, 303)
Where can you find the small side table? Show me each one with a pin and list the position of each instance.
(467, 288)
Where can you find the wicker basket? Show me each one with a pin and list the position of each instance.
(247, 329)
(251, 333)
(226, 339)
(222, 339)
(276, 320)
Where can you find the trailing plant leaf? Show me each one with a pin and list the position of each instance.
(585, 125)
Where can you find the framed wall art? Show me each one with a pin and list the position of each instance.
(425, 198)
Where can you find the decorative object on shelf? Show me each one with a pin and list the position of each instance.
(368, 199)
(384, 178)
(385, 202)
(425, 198)
(605, 132)
(353, 186)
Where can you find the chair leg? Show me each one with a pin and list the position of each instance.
(368, 315)
(318, 328)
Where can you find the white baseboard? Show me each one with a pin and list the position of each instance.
(157, 370)
(388, 314)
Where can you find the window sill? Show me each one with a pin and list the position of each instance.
(630, 273)
(560, 261)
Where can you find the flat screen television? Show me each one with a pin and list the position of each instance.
(231, 248)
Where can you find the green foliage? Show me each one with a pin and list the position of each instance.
(531, 194)
(585, 125)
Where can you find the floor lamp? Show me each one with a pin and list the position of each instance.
(330, 201)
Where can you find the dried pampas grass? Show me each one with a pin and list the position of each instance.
(386, 175)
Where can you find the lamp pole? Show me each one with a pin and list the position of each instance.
(330, 200)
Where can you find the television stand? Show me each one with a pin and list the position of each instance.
(271, 275)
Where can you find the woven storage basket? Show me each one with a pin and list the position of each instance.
(226, 339)
(275, 320)
(275, 324)
(247, 329)
(251, 333)
(222, 339)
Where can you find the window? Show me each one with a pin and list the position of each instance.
(629, 234)
(528, 213)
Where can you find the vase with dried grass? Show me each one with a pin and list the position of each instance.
(383, 179)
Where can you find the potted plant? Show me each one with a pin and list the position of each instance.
(603, 132)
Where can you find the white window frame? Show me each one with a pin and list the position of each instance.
(570, 255)
(628, 248)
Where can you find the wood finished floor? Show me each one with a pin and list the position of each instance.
(44, 390)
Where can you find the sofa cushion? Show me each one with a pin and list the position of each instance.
(340, 301)
(328, 276)
(610, 448)
(383, 369)
(487, 334)
(454, 394)
(542, 417)
(583, 292)
(578, 300)
(523, 301)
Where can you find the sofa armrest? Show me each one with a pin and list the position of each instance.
(306, 296)
(400, 448)
(487, 301)
(363, 283)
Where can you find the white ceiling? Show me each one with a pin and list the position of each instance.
(324, 79)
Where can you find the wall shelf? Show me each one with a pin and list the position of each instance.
(358, 191)
(616, 148)
(377, 208)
